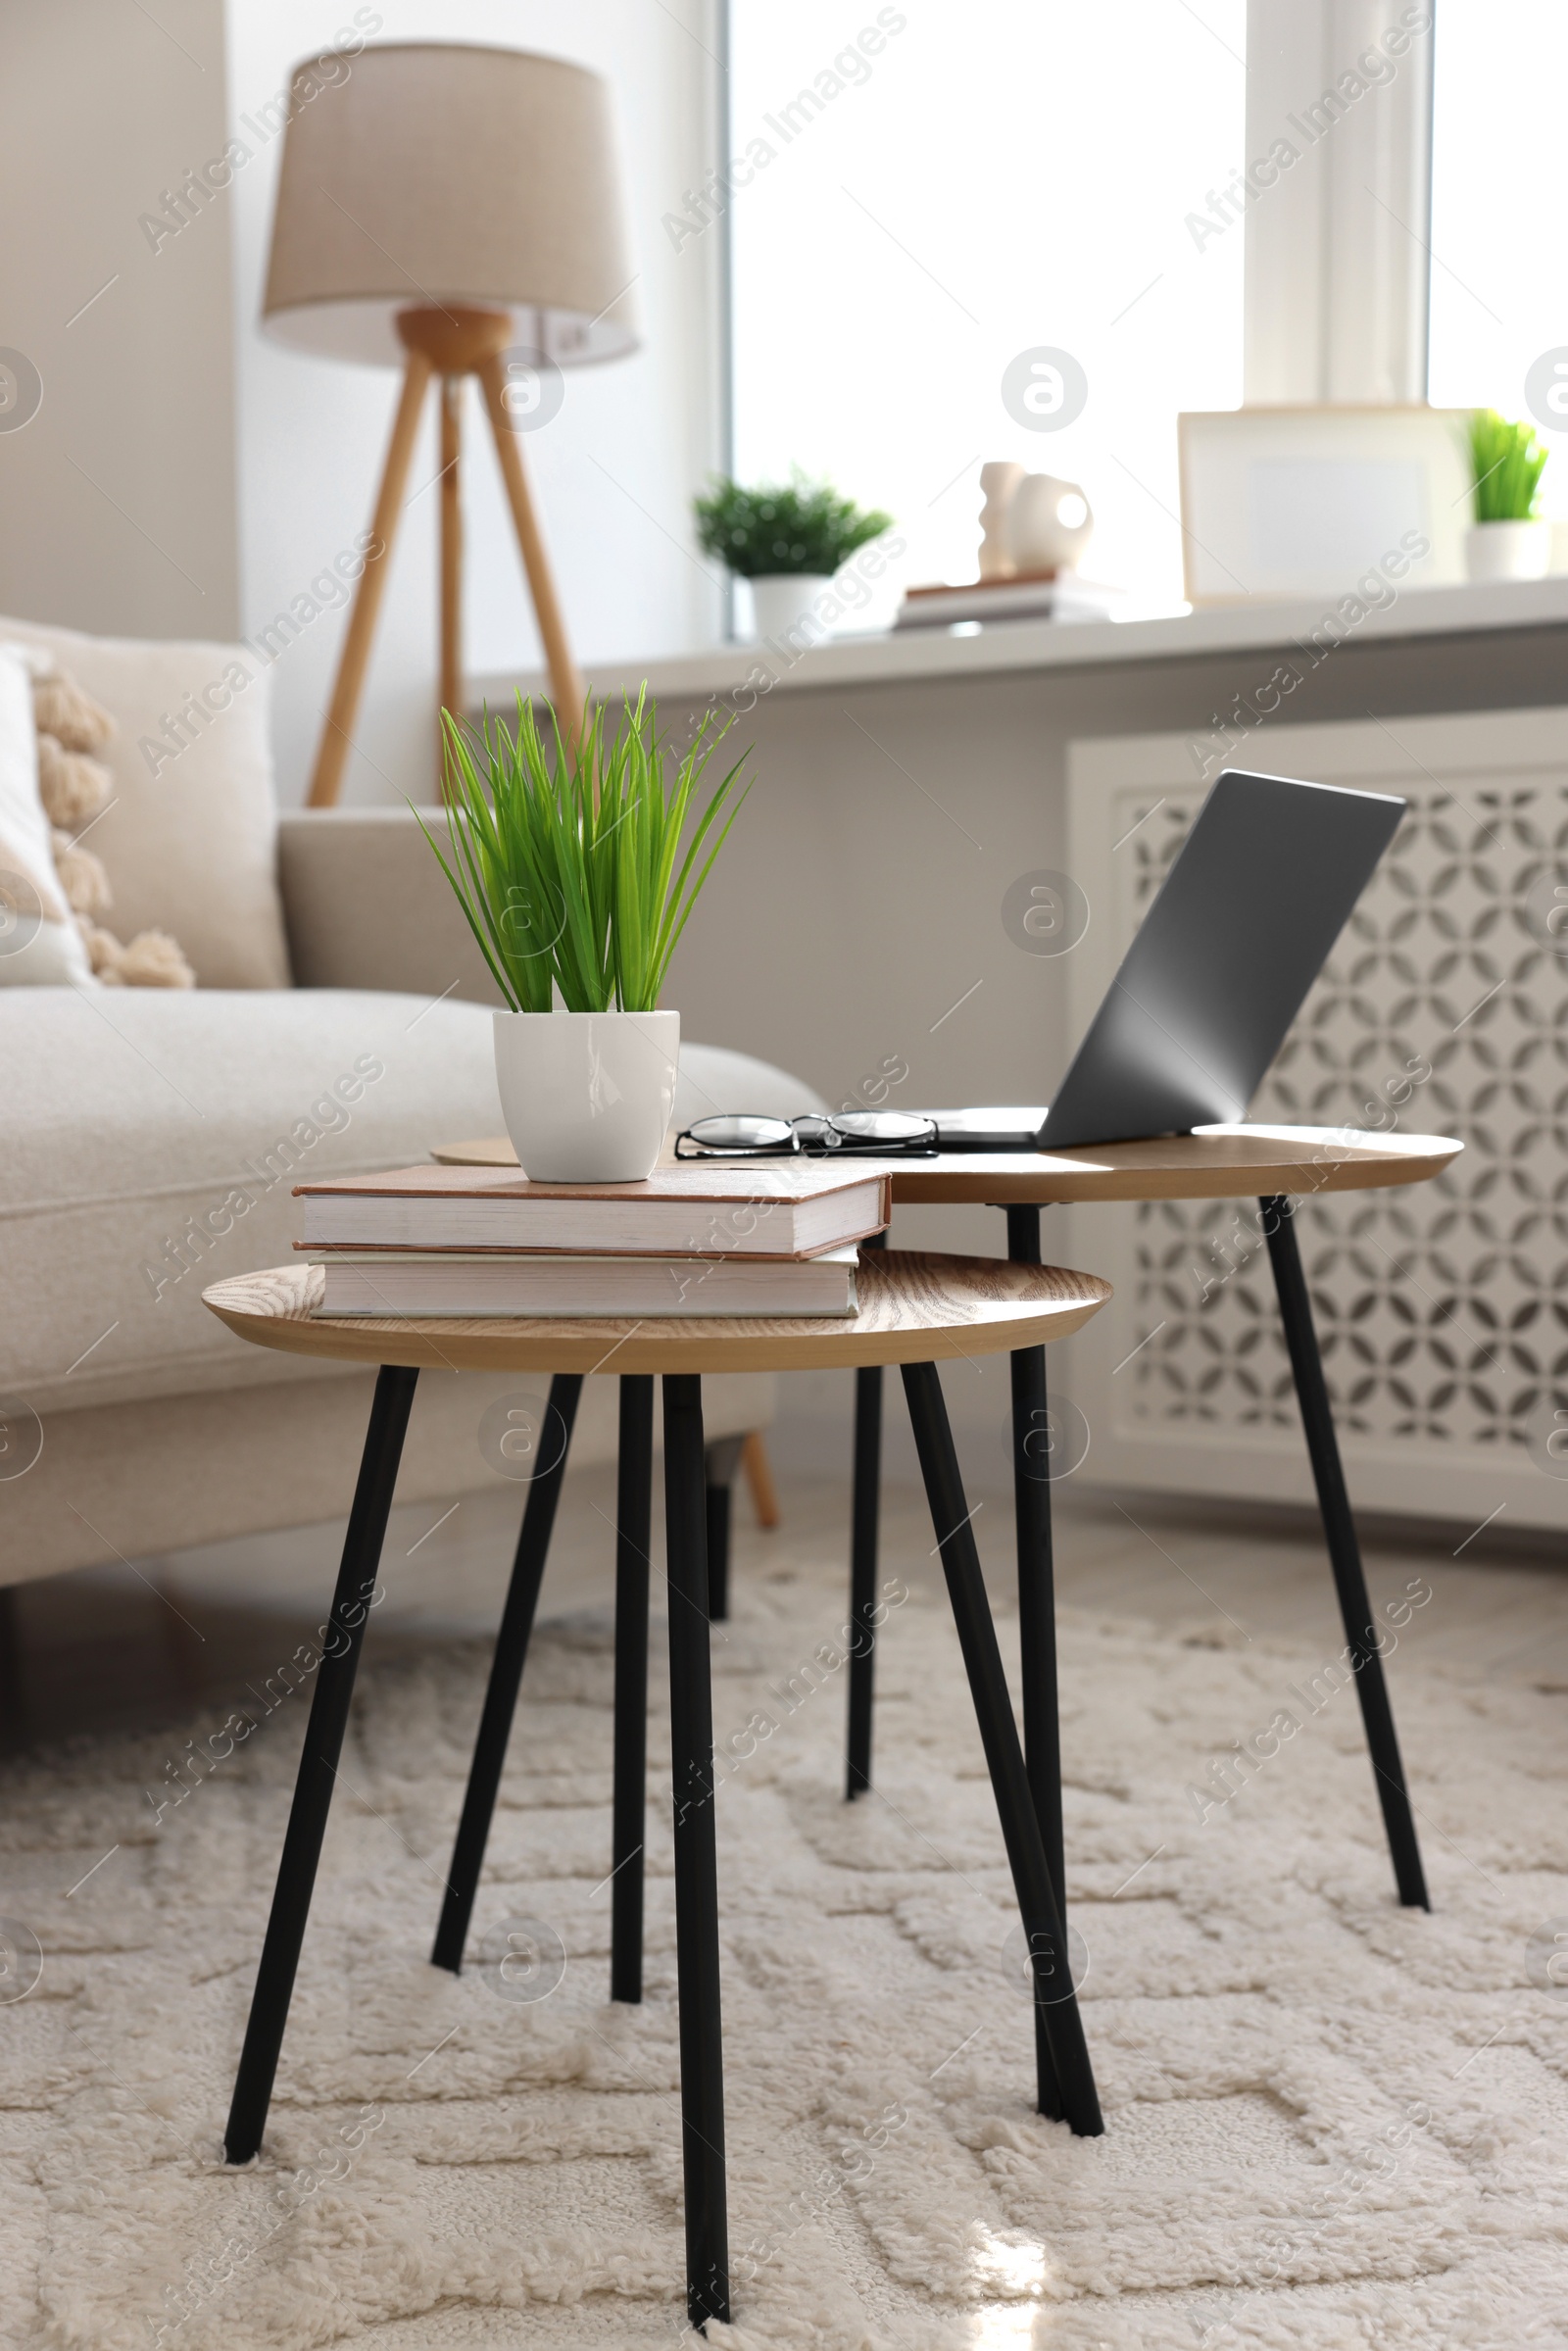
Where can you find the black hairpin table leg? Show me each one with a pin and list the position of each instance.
(691, 1710)
(634, 1532)
(864, 1514)
(721, 1460)
(317, 1772)
(505, 1674)
(1037, 1901)
(1032, 1462)
(13, 1686)
(1345, 1552)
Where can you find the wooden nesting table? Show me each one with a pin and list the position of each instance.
(1278, 1166)
(914, 1309)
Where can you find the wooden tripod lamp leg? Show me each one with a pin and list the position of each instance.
(330, 759)
(451, 554)
(758, 1473)
(566, 679)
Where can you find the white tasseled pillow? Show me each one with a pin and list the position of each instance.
(189, 840)
(40, 945)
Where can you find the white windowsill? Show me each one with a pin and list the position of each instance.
(848, 661)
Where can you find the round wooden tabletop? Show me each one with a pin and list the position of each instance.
(914, 1307)
(1219, 1162)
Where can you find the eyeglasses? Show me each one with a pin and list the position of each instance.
(745, 1136)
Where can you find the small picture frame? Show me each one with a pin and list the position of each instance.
(1305, 501)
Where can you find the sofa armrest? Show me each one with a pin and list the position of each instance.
(368, 906)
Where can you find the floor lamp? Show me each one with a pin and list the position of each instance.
(456, 211)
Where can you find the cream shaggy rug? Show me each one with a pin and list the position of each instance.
(1328, 2123)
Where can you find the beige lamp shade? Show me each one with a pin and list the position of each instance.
(428, 172)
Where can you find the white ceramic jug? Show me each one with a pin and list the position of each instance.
(1048, 523)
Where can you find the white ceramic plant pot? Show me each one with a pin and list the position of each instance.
(1507, 550)
(587, 1096)
(782, 600)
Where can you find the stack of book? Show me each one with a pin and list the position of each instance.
(1021, 596)
(700, 1238)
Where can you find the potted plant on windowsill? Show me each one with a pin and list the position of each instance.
(1508, 539)
(788, 540)
(570, 873)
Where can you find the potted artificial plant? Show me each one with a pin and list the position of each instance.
(570, 873)
(1508, 539)
(787, 541)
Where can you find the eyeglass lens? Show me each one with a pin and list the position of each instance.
(741, 1133)
(882, 1126)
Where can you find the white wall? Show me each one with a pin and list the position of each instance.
(118, 499)
(184, 476)
(614, 472)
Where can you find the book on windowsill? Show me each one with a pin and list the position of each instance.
(407, 1282)
(1025, 596)
(758, 1208)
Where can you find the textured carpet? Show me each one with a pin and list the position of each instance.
(1329, 2122)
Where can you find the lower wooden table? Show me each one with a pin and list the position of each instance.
(914, 1309)
(1278, 1165)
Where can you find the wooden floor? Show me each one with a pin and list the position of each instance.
(143, 1648)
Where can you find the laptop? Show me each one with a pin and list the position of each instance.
(1259, 891)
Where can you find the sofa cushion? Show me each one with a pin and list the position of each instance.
(189, 838)
(714, 1079)
(132, 1480)
(153, 1142)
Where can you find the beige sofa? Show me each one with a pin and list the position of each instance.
(151, 1142)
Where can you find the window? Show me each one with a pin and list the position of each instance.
(934, 192)
(1497, 216)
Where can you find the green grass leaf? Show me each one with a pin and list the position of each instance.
(567, 858)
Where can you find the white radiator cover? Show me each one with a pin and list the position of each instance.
(1441, 1308)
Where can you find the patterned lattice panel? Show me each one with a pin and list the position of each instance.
(1441, 1308)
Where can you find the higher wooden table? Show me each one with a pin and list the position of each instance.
(1222, 1162)
(1275, 1164)
(913, 1310)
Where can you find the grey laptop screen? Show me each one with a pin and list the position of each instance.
(1259, 891)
